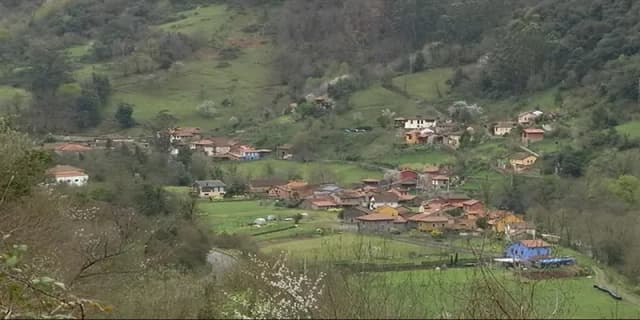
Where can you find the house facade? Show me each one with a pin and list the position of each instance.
(205, 146)
(349, 214)
(522, 161)
(184, 134)
(214, 189)
(440, 181)
(68, 175)
(527, 250)
(503, 128)
(419, 123)
(529, 117)
(262, 186)
(532, 135)
(284, 152)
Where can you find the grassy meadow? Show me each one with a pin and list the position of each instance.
(345, 173)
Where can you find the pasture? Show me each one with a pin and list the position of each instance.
(560, 298)
(344, 173)
(429, 85)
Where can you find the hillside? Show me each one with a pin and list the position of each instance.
(347, 86)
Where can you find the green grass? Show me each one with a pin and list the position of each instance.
(49, 7)
(353, 247)
(344, 173)
(234, 216)
(7, 94)
(576, 296)
(78, 52)
(201, 19)
(632, 129)
(246, 82)
(425, 84)
(416, 159)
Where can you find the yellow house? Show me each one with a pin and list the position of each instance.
(501, 224)
(387, 211)
(522, 161)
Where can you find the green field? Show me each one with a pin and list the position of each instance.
(343, 172)
(201, 19)
(425, 84)
(572, 297)
(235, 216)
(632, 129)
(417, 159)
(355, 247)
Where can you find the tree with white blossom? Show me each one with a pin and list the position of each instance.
(282, 293)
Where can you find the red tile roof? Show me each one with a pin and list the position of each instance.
(65, 171)
(534, 243)
(532, 130)
(71, 147)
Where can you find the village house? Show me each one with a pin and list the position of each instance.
(378, 222)
(262, 186)
(69, 175)
(499, 224)
(504, 127)
(532, 135)
(318, 203)
(522, 161)
(403, 194)
(383, 199)
(223, 145)
(349, 214)
(205, 146)
(349, 198)
(387, 210)
(213, 189)
(429, 222)
(440, 182)
(244, 152)
(529, 117)
(473, 206)
(520, 231)
(399, 122)
(417, 136)
(284, 152)
(184, 134)
(527, 250)
(374, 183)
(453, 199)
(294, 190)
(419, 123)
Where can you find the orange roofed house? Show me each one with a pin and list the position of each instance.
(294, 190)
(380, 222)
(69, 147)
(68, 175)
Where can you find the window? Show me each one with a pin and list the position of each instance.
(434, 225)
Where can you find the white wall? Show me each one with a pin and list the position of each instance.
(419, 124)
(77, 181)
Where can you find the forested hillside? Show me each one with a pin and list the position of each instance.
(254, 70)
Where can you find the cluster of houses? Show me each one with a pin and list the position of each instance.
(527, 121)
(215, 147)
(429, 130)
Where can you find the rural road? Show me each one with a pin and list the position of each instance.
(601, 279)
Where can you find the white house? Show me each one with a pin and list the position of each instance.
(529, 117)
(502, 128)
(68, 175)
(209, 189)
(419, 123)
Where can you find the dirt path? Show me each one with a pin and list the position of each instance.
(601, 279)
